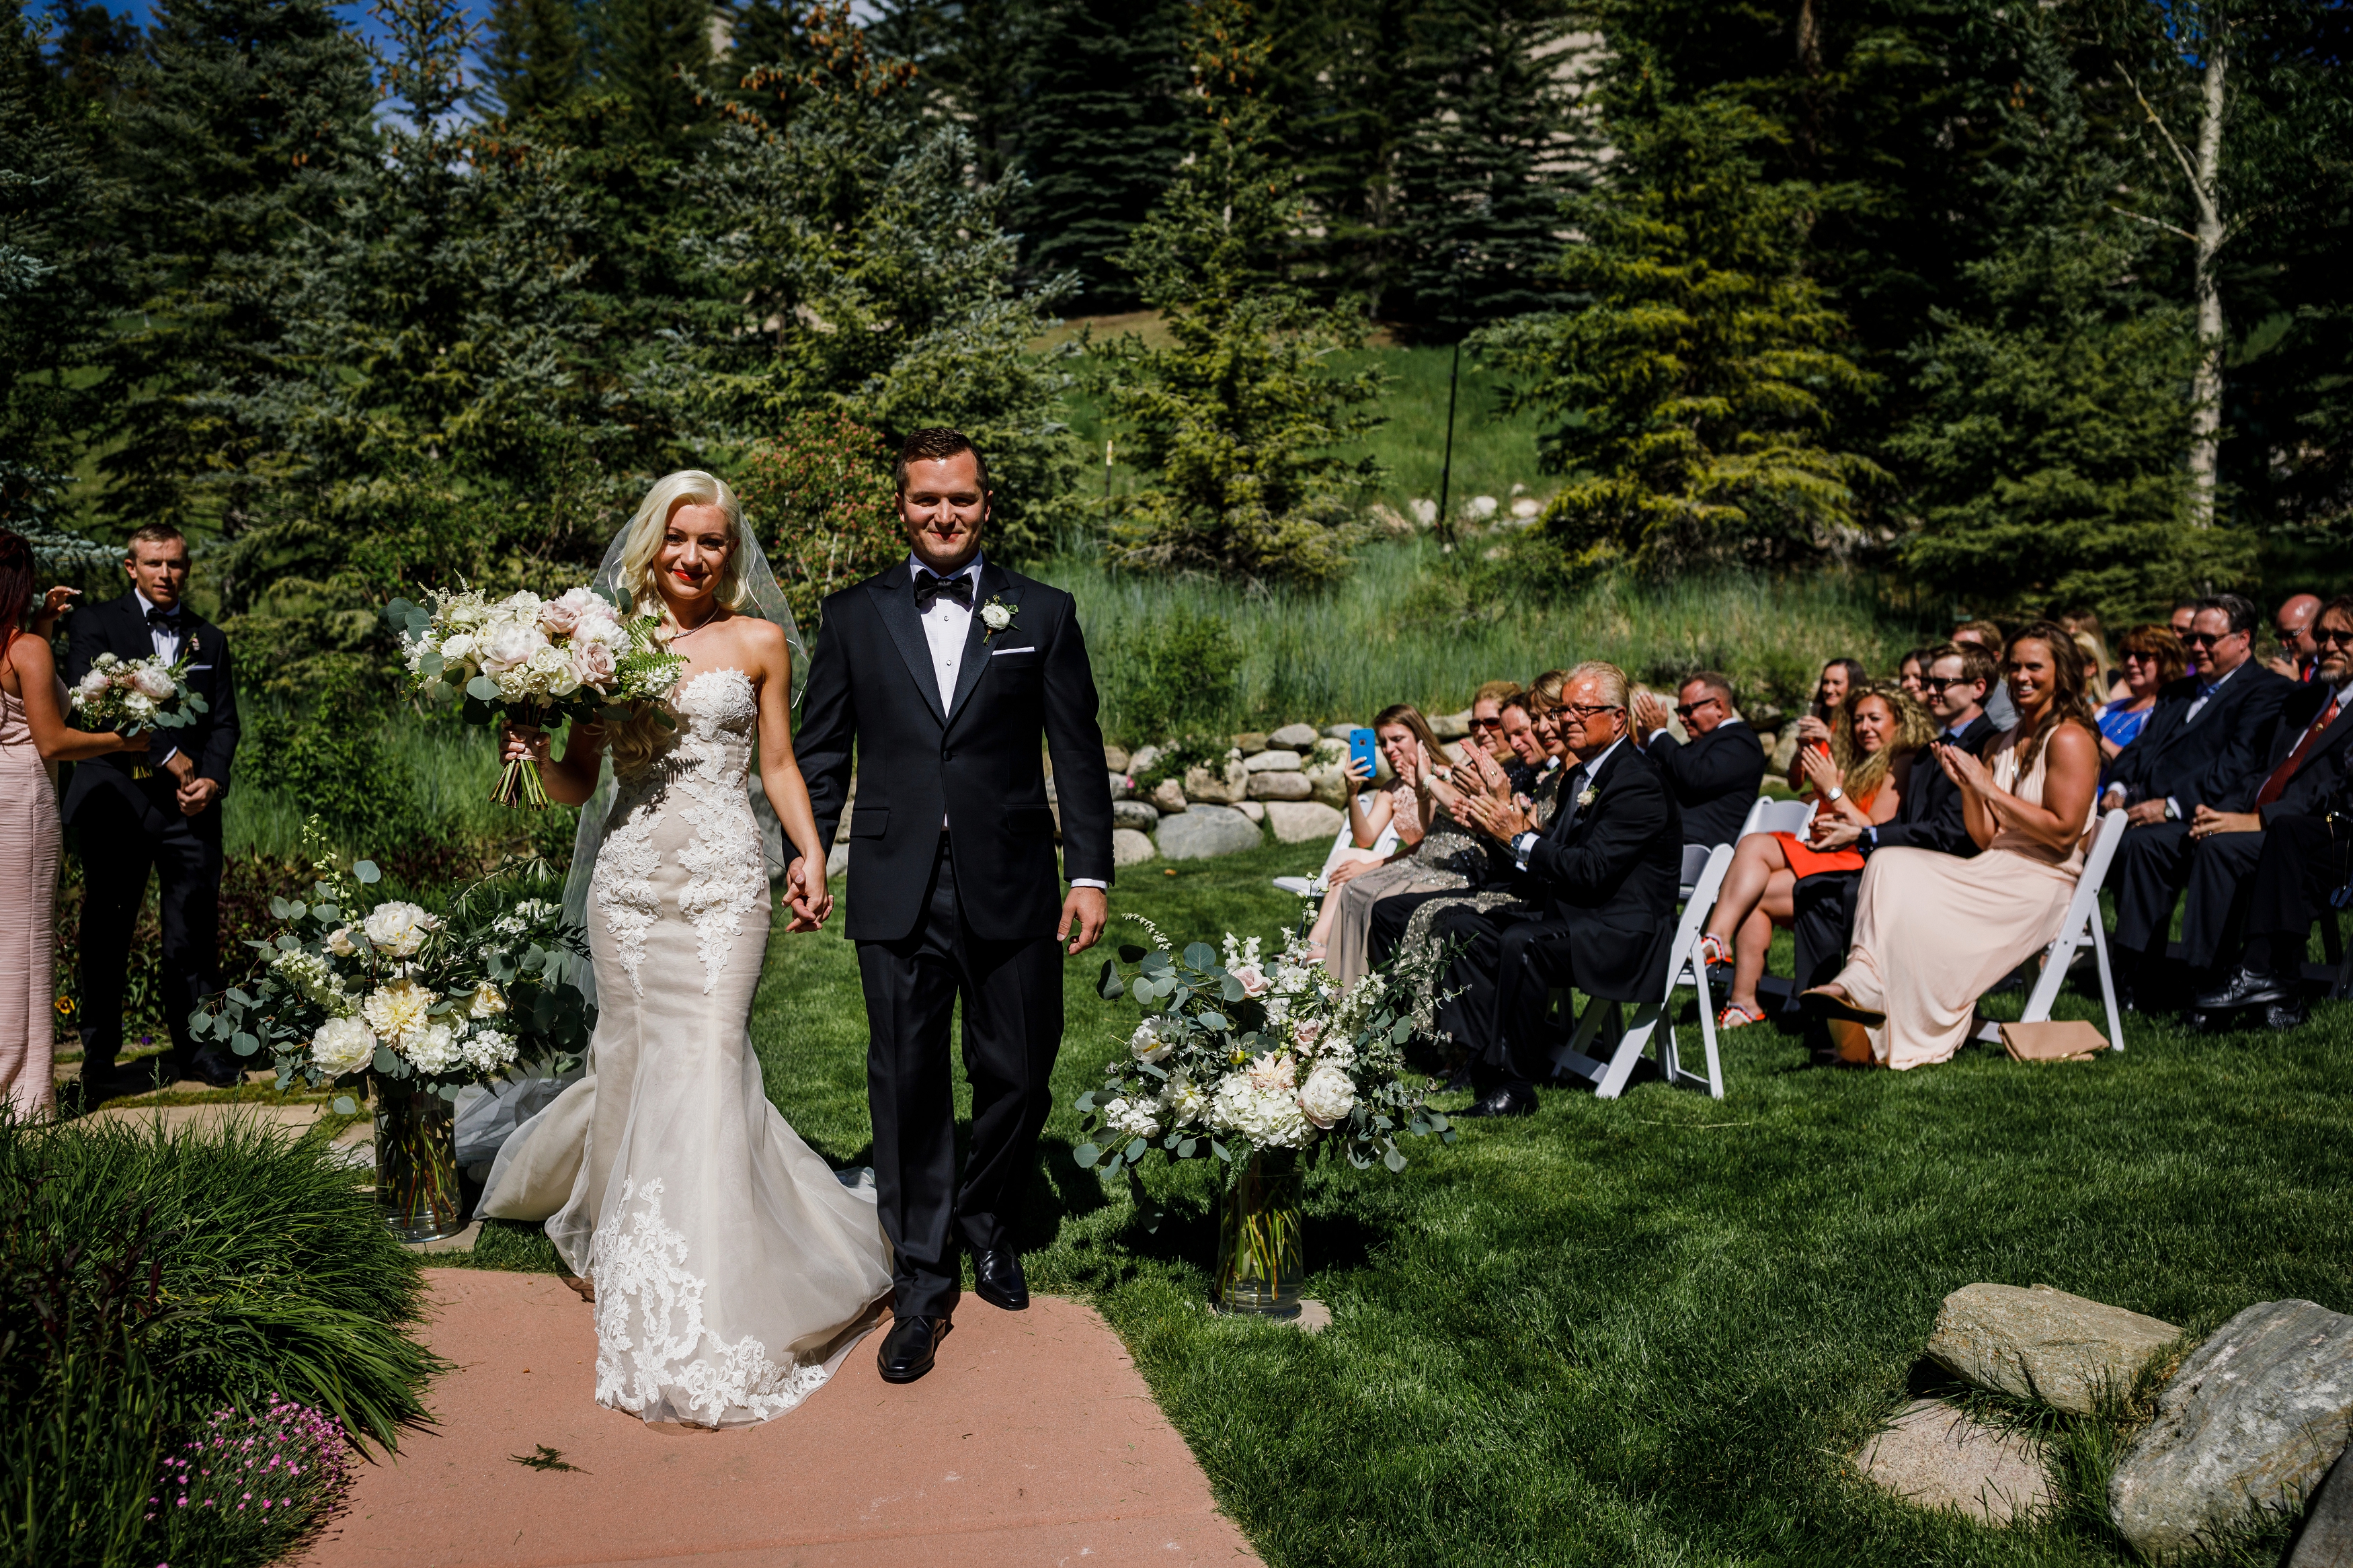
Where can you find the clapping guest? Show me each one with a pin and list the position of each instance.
(1716, 773)
(1879, 733)
(1987, 636)
(1487, 719)
(1933, 932)
(1434, 851)
(2153, 660)
(34, 738)
(1839, 677)
(1912, 673)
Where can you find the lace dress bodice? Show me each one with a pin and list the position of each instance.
(700, 777)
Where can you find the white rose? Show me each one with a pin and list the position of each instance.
(341, 1045)
(510, 645)
(460, 647)
(1148, 1044)
(432, 1050)
(340, 942)
(488, 1000)
(1327, 1096)
(1253, 979)
(398, 929)
(153, 682)
(995, 617)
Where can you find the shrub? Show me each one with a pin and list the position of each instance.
(1186, 752)
(820, 500)
(245, 1487)
(332, 755)
(1180, 670)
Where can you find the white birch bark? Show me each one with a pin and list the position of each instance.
(2206, 384)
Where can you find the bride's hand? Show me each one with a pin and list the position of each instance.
(811, 905)
(522, 743)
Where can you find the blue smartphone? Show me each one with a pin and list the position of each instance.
(1360, 748)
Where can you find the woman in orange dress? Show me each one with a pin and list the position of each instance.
(1876, 734)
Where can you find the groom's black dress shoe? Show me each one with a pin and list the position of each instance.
(997, 1279)
(907, 1350)
(2247, 988)
(216, 1069)
(1504, 1101)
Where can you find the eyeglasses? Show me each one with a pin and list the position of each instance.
(1685, 710)
(1582, 710)
(1945, 682)
(2333, 636)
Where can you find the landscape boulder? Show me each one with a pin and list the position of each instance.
(1168, 796)
(1121, 786)
(2248, 1427)
(1254, 810)
(1303, 821)
(2327, 1541)
(1295, 737)
(1129, 847)
(1206, 831)
(1450, 726)
(1142, 762)
(1292, 786)
(1228, 783)
(1114, 758)
(1272, 762)
(1340, 733)
(2044, 1343)
(1136, 814)
(1250, 741)
(1932, 1456)
(1327, 783)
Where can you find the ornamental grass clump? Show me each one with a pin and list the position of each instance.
(250, 1486)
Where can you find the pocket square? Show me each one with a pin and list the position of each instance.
(997, 652)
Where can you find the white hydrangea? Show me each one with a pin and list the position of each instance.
(1133, 1118)
(397, 927)
(1327, 1096)
(487, 1050)
(1267, 1118)
(433, 1049)
(341, 1045)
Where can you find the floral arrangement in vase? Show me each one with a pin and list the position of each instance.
(534, 661)
(408, 1007)
(1261, 1065)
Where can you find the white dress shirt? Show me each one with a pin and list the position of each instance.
(166, 640)
(948, 626)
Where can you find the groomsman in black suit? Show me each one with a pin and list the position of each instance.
(170, 822)
(1958, 678)
(1597, 908)
(1716, 773)
(2207, 745)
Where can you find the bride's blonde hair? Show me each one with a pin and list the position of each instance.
(636, 743)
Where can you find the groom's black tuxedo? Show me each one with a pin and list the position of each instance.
(954, 891)
(123, 825)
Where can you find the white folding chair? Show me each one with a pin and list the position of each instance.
(2082, 925)
(1684, 968)
(1776, 816)
(1304, 887)
(1695, 863)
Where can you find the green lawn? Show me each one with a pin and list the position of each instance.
(1649, 1331)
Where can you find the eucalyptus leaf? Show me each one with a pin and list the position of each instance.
(1233, 990)
(1201, 956)
(346, 1106)
(1085, 1103)
(1109, 982)
(243, 1044)
(1214, 1021)
(1143, 991)
(386, 1061)
(1136, 1151)
(365, 871)
(1403, 1032)
(1130, 953)
(483, 689)
(1086, 1154)
(1393, 1159)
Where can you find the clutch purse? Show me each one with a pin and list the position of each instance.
(2072, 1041)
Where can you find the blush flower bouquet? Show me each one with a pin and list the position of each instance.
(132, 695)
(534, 661)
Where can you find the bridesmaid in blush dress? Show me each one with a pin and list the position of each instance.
(1933, 932)
(33, 740)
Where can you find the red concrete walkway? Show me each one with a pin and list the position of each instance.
(1033, 1441)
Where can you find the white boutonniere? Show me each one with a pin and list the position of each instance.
(997, 615)
(1585, 797)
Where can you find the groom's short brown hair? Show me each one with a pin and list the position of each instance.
(931, 443)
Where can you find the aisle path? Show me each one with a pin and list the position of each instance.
(1034, 1441)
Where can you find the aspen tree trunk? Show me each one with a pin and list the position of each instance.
(2206, 385)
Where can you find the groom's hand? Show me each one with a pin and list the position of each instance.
(811, 903)
(1084, 914)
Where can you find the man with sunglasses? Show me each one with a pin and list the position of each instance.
(1716, 774)
(2267, 872)
(2206, 744)
(2291, 625)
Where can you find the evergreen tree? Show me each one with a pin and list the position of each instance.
(90, 48)
(657, 54)
(1689, 401)
(1342, 100)
(535, 59)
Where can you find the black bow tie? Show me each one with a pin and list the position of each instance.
(931, 587)
(157, 616)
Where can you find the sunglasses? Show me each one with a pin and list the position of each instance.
(1685, 710)
(2206, 640)
(1486, 724)
(1945, 682)
(2333, 636)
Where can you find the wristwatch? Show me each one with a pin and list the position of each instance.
(1838, 794)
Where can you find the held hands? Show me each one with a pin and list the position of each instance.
(810, 904)
(2143, 813)
(1084, 914)
(1836, 832)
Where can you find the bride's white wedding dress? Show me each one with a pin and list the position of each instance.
(733, 1268)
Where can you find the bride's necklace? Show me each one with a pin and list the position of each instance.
(680, 634)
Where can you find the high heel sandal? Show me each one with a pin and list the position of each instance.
(1712, 950)
(1734, 1016)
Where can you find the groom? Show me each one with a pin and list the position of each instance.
(944, 672)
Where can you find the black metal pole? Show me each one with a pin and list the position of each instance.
(1445, 473)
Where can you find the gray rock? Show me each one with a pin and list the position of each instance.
(1303, 821)
(2044, 1343)
(1142, 762)
(1168, 797)
(1121, 786)
(1204, 831)
(2327, 1541)
(1129, 847)
(1271, 762)
(1280, 786)
(1329, 783)
(1932, 1456)
(837, 861)
(1114, 758)
(2250, 1425)
(1136, 814)
(1253, 809)
(1248, 741)
(1231, 784)
(1295, 737)
(1340, 733)
(1450, 726)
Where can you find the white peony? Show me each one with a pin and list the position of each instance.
(1327, 1096)
(1132, 1117)
(509, 646)
(153, 682)
(487, 1050)
(489, 1002)
(398, 929)
(1265, 1118)
(341, 1045)
(432, 1050)
(397, 1009)
(1184, 1101)
(340, 942)
(93, 685)
(137, 704)
(1148, 1043)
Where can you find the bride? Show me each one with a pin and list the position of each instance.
(731, 1268)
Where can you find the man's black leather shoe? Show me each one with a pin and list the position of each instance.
(2247, 988)
(1504, 1101)
(907, 1350)
(213, 1068)
(2292, 1013)
(997, 1279)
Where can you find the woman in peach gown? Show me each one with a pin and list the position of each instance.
(33, 740)
(1933, 932)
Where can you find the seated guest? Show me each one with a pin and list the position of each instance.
(2303, 860)
(2306, 768)
(1597, 901)
(1928, 817)
(2153, 661)
(1933, 932)
(2205, 743)
(1840, 676)
(2296, 655)
(1528, 759)
(1433, 852)
(2184, 611)
(1987, 636)
(1716, 773)
(1879, 734)
(1487, 719)
(1911, 672)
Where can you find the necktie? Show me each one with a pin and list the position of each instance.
(2276, 785)
(931, 587)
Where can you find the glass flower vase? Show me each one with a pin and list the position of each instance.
(1260, 1259)
(416, 1163)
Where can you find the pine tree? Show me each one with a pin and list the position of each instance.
(535, 59)
(657, 54)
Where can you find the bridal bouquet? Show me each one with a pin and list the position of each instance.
(136, 694)
(533, 662)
